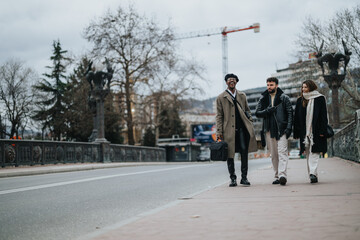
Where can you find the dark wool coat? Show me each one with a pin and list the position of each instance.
(319, 124)
(225, 120)
(283, 114)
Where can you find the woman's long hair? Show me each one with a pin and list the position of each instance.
(311, 86)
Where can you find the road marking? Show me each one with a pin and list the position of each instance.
(90, 179)
(122, 223)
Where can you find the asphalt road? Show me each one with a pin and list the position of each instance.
(76, 204)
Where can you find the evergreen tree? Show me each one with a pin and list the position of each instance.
(149, 138)
(51, 107)
(112, 121)
(170, 123)
(78, 115)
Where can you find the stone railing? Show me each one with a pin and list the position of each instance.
(346, 142)
(24, 152)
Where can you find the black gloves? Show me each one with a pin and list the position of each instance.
(270, 110)
(288, 132)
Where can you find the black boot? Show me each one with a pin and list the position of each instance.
(282, 181)
(231, 168)
(313, 178)
(244, 182)
(233, 183)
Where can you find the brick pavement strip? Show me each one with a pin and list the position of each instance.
(329, 209)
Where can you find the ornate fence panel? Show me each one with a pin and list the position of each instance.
(346, 142)
(125, 153)
(25, 152)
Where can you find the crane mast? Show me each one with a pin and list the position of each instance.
(224, 31)
(224, 55)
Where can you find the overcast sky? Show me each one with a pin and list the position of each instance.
(28, 28)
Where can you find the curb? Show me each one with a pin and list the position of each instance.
(47, 169)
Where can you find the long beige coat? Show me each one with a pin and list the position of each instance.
(225, 120)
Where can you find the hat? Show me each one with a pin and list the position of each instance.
(231, 75)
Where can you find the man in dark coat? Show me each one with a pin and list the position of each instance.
(277, 113)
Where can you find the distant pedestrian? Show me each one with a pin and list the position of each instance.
(234, 126)
(310, 126)
(275, 108)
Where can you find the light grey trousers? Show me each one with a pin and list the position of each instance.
(312, 161)
(279, 154)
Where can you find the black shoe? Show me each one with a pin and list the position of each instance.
(282, 181)
(245, 182)
(313, 178)
(276, 181)
(233, 183)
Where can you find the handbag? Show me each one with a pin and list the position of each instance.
(219, 151)
(329, 132)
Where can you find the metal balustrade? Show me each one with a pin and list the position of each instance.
(125, 153)
(346, 142)
(32, 152)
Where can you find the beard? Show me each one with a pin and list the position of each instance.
(231, 86)
(272, 91)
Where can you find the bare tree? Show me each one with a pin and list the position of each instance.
(344, 25)
(176, 79)
(135, 45)
(15, 94)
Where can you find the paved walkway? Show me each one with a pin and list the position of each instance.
(327, 210)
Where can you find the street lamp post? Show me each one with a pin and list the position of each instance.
(99, 88)
(92, 107)
(333, 78)
(1, 128)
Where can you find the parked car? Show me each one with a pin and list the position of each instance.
(294, 153)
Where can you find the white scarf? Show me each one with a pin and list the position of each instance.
(309, 116)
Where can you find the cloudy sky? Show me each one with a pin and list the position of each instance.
(28, 28)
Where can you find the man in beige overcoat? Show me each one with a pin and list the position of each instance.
(234, 126)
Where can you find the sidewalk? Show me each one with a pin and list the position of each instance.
(329, 209)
